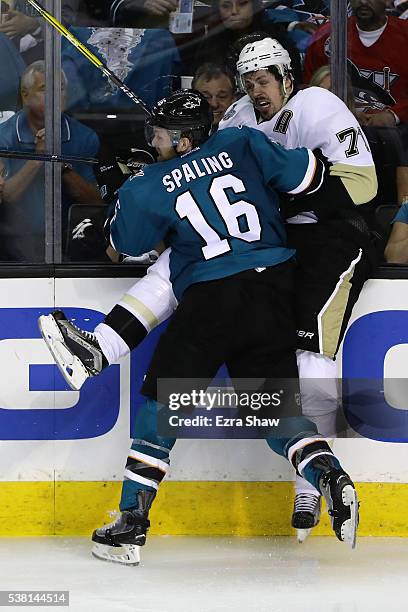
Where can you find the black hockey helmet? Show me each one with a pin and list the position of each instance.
(184, 113)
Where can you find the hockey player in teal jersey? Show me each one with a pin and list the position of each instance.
(213, 201)
(216, 203)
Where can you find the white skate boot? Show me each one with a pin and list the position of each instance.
(76, 352)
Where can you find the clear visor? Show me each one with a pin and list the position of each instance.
(241, 83)
(161, 137)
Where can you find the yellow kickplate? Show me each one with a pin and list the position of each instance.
(187, 508)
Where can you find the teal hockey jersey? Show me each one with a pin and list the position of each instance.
(217, 206)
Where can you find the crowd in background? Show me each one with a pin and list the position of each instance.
(155, 47)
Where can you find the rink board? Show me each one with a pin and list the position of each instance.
(62, 452)
(188, 508)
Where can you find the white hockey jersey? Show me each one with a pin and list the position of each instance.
(317, 119)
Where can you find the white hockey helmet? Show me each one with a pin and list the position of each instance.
(262, 54)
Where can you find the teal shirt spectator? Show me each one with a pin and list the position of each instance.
(402, 214)
(11, 68)
(22, 224)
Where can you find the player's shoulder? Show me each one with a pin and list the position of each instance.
(238, 105)
(231, 131)
(235, 134)
(141, 180)
(316, 102)
(311, 95)
(240, 110)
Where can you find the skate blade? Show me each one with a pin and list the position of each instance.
(349, 527)
(302, 534)
(71, 368)
(126, 554)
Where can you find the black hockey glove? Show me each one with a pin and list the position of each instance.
(112, 172)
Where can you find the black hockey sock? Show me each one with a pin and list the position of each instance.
(310, 460)
(128, 327)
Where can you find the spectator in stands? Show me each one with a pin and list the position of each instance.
(300, 17)
(25, 28)
(237, 18)
(377, 46)
(399, 8)
(217, 84)
(396, 251)
(12, 67)
(386, 147)
(322, 77)
(136, 13)
(22, 215)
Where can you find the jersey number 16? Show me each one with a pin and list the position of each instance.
(231, 213)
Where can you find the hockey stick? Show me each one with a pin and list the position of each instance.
(46, 157)
(88, 54)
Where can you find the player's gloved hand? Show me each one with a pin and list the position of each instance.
(110, 175)
(146, 258)
(112, 172)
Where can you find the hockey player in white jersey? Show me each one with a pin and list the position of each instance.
(303, 121)
(334, 252)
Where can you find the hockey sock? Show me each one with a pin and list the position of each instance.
(302, 486)
(320, 398)
(290, 431)
(148, 460)
(305, 454)
(119, 334)
(149, 302)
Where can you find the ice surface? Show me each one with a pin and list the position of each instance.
(201, 574)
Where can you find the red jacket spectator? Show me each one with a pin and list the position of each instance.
(379, 73)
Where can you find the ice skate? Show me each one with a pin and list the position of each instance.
(306, 514)
(342, 504)
(121, 540)
(76, 352)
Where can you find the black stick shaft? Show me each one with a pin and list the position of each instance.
(46, 157)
